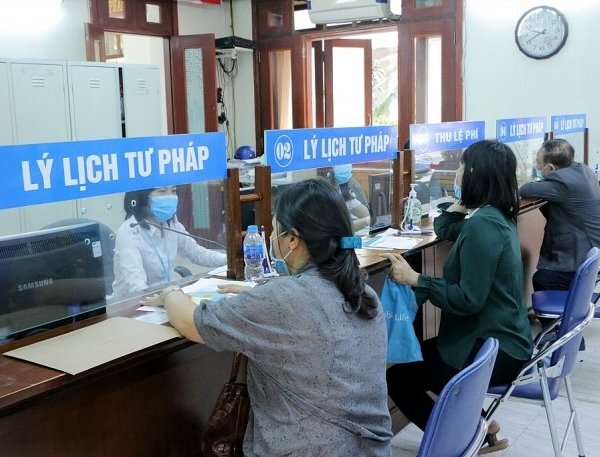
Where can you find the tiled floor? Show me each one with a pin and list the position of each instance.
(525, 424)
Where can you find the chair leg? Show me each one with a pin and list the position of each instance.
(549, 412)
(572, 407)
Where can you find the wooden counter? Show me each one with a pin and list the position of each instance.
(154, 402)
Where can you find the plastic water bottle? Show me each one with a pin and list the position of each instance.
(253, 254)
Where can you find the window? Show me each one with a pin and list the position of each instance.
(134, 16)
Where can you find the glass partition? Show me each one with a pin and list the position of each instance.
(129, 242)
(577, 140)
(434, 178)
(526, 153)
(366, 188)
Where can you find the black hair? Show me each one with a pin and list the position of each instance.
(558, 152)
(137, 204)
(314, 211)
(490, 177)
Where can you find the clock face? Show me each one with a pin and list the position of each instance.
(541, 32)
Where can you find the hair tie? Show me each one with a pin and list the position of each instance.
(350, 242)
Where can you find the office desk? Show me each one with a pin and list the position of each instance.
(153, 402)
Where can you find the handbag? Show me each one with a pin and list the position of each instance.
(399, 308)
(223, 433)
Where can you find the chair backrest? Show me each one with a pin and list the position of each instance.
(576, 309)
(454, 421)
(108, 239)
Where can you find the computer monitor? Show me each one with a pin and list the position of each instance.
(49, 278)
(379, 200)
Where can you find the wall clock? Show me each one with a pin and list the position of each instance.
(541, 32)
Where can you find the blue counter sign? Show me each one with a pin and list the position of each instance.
(49, 172)
(301, 149)
(568, 123)
(519, 129)
(445, 136)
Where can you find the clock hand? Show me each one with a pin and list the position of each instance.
(543, 32)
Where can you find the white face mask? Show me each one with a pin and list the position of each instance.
(277, 263)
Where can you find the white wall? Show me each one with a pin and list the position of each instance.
(53, 30)
(206, 18)
(501, 82)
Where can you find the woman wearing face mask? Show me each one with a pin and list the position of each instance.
(315, 337)
(145, 254)
(480, 292)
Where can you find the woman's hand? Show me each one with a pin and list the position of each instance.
(401, 271)
(152, 300)
(232, 289)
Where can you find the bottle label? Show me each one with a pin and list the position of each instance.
(253, 252)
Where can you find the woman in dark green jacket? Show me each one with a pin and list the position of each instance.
(480, 293)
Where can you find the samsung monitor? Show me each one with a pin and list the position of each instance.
(49, 278)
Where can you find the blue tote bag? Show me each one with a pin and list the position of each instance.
(399, 308)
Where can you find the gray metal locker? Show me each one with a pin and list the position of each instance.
(96, 114)
(6, 126)
(10, 219)
(142, 99)
(40, 102)
(94, 100)
(41, 115)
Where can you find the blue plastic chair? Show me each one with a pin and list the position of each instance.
(555, 355)
(551, 303)
(456, 426)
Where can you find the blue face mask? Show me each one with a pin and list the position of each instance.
(537, 173)
(163, 207)
(278, 264)
(343, 173)
(457, 191)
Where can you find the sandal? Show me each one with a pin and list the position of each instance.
(492, 444)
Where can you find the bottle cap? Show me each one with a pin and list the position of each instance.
(252, 229)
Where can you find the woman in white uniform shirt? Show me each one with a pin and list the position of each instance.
(144, 254)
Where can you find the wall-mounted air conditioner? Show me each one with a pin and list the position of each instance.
(332, 11)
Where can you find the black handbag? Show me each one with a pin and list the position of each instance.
(223, 433)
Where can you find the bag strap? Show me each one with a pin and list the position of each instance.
(235, 366)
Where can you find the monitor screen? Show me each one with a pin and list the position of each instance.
(49, 278)
(380, 189)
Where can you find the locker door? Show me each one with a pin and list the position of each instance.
(142, 99)
(41, 107)
(6, 134)
(96, 114)
(95, 104)
(10, 219)
(41, 115)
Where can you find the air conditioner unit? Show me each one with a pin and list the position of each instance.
(332, 11)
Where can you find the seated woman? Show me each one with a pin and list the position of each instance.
(315, 337)
(480, 293)
(359, 212)
(145, 254)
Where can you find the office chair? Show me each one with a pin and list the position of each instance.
(455, 426)
(551, 303)
(555, 355)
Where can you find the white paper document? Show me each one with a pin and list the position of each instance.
(390, 240)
